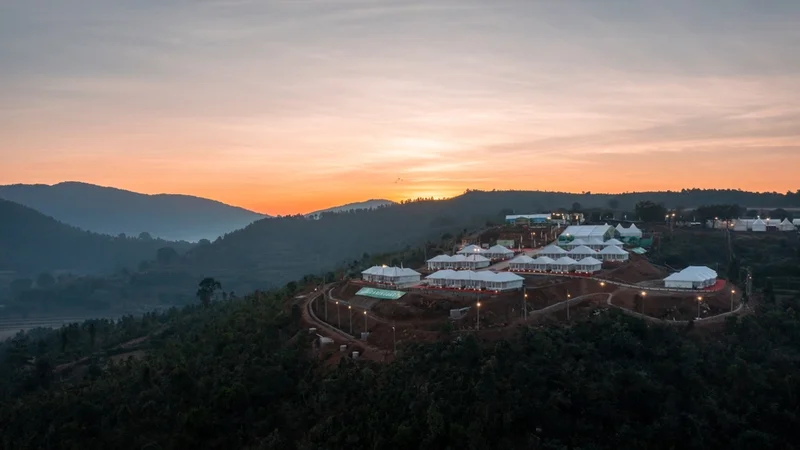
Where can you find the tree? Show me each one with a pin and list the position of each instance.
(203, 242)
(45, 280)
(206, 289)
(145, 236)
(166, 255)
(780, 213)
(576, 207)
(650, 212)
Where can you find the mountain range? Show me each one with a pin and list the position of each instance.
(113, 211)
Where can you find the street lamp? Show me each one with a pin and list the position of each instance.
(699, 300)
(525, 304)
(733, 291)
(478, 321)
(350, 314)
(365, 321)
(338, 314)
(644, 294)
(394, 340)
(569, 296)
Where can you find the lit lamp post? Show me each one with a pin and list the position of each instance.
(644, 294)
(569, 296)
(525, 304)
(350, 314)
(338, 315)
(365, 321)
(699, 300)
(394, 340)
(478, 320)
(733, 291)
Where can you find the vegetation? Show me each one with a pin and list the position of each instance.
(240, 374)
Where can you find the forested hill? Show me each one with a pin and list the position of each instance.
(31, 243)
(274, 251)
(113, 211)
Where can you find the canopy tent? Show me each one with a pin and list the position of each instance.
(521, 262)
(498, 252)
(467, 279)
(692, 277)
(631, 232)
(390, 275)
(581, 252)
(471, 250)
(613, 253)
(458, 262)
(585, 232)
(588, 265)
(613, 241)
(380, 294)
(759, 226)
(575, 243)
(542, 264)
(552, 251)
(563, 265)
(595, 243)
(786, 226)
(740, 225)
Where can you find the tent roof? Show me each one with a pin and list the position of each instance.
(506, 276)
(440, 274)
(585, 231)
(589, 261)
(476, 258)
(472, 248)
(553, 249)
(499, 249)
(565, 260)
(577, 242)
(521, 259)
(543, 260)
(612, 250)
(613, 242)
(595, 241)
(440, 258)
(390, 271)
(693, 273)
(786, 222)
(582, 250)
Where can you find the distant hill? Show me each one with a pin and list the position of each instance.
(32, 243)
(274, 251)
(113, 211)
(369, 204)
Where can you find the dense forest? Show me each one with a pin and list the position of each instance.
(240, 374)
(32, 243)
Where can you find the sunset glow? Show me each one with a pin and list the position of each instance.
(288, 107)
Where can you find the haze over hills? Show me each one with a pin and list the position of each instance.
(31, 243)
(369, 204)
(113, 211)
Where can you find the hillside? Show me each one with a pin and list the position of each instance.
(369, 204)
(113, 211)
(31, 243)
(274, 251)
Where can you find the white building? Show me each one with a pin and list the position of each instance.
(631, 232)
(585, 232)
(396, 276)
(596, 244)
(613, 253)
(467, 279)
(613, 241)
(740, 225)
(692, 277)
(759, 226)
(498, 252)
(552, 251)
(471, 250)
(581, 252)
(472, 261)
(542, 264)
(575, 243)
(521, 263)
(563, 265)
(786, 226)
(588, 265)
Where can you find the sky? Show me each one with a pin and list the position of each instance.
(290, 106)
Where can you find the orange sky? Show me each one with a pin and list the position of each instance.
(287, 108)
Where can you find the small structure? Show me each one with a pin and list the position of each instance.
(542, 264)
(575, 243)
(503, 281)
(498, 252)
(552, 251)
(740, 225)
(759, 226)
(438, 262)
(471, 250)
(588, 265)
(564, 264)
(396, 276)
(470, 262)
(521, 263)
(632, 232)
(439, 279)
(786, 226)
(596, 244)
(585, 232)
(613, 241)
(692, 277)
(613, 253)
(581, 252)
(527, 219)
(483, 280)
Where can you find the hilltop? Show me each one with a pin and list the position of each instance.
(113, 211)
(31, 243)
(369, 204)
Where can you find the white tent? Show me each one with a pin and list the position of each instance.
(613, 253)
(740, 225)
(542, 264)
(786, 226)
(521, 262)
(581, 252)
(595, 243)
(796, 222)
(438, 262)
(390, 275)
(631, 232)
(467, 279)
(504, 281)
(588, 265)
(585, 232)
(692, 277)
(759, 226)
(612, 241)
(498, 252)
(439, 278)
(471, 250)
(575, 243)
(563, 265)
(552, 251)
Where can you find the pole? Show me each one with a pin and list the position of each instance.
(525, 303)
(478, 320)
(338, 314)
(350, 314)
(365, 321)
(394, 340)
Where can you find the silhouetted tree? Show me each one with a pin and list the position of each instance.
(206, 289)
